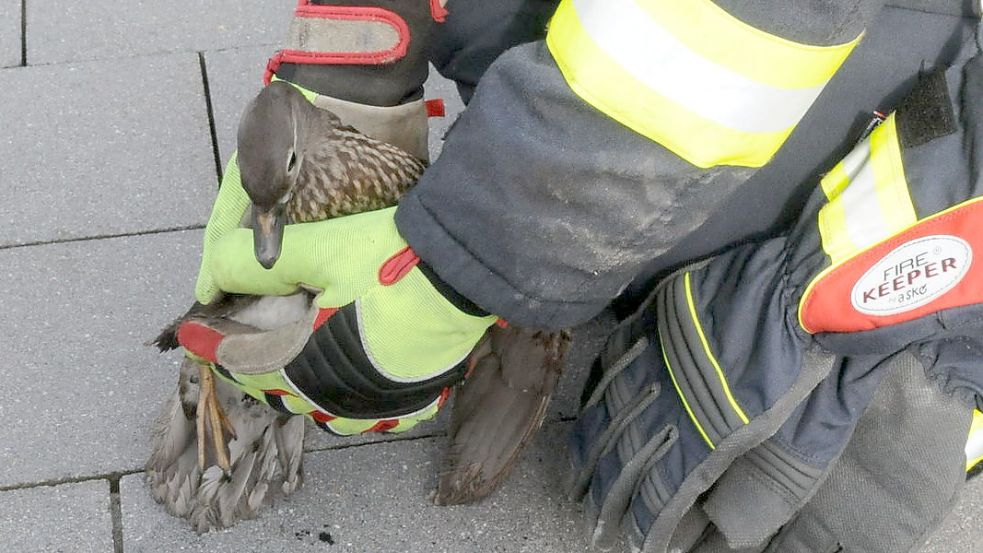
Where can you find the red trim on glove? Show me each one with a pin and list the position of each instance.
(277, 392)
(397, 266)
(323, 315)
(200, 339)
(383, 426)
(438, 11)
(321, 417)
(347, 13)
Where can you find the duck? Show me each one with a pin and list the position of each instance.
(219, 456)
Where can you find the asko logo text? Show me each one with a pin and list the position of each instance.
(912, 275)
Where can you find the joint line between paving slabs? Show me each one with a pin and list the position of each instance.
(68, 480)
(101, 237)
(211, 115)
(23, 33)
(338, 447)
(116, 512)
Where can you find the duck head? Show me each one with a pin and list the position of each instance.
(270, 154)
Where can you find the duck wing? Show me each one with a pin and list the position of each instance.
(498, 409)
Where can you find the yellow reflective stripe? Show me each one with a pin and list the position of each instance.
(868, 196)
(641, 63)
(974, 443)
(731, 43)
(892, 186)
(706, 348)
(679, 393)
(838, 179)
(686, 77)
(837, 245)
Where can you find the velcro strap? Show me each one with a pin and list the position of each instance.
(246, 349)
(336, 35)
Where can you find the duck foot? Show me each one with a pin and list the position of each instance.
(211, 414)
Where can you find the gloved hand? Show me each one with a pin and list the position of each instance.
(900, 473)
(409, 329)
(725, 351)
(381, 342)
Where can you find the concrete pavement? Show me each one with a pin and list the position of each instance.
(114, 121)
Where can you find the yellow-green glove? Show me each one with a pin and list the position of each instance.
(382, 343)
(409, 329)
(227, 214)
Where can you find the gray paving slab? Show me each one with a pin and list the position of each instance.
(65, 518)
(106, 29)
(235, 76)
(439, 87)
(10, 32)
(374, 499)
(80, 387)
(960, 532)
(103, 148)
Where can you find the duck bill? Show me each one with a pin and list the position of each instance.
(268, 234)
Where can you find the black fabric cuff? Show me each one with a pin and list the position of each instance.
(449, 293)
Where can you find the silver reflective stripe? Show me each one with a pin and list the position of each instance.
(864, 221)
(651, 54)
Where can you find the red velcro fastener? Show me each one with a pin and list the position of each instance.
(435, 108)
(397, 266)
(438, 11)
(383, 426)
(935, 265)
(321, 417)
(272, 65)
(351, 13)
(200, 339)
(323, 315)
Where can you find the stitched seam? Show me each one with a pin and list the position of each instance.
(682, 397)
(706, 347)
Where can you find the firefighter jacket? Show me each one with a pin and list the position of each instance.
(748, 371)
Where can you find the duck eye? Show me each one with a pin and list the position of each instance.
(292, 162)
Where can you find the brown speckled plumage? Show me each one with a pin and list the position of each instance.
(346, 172)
